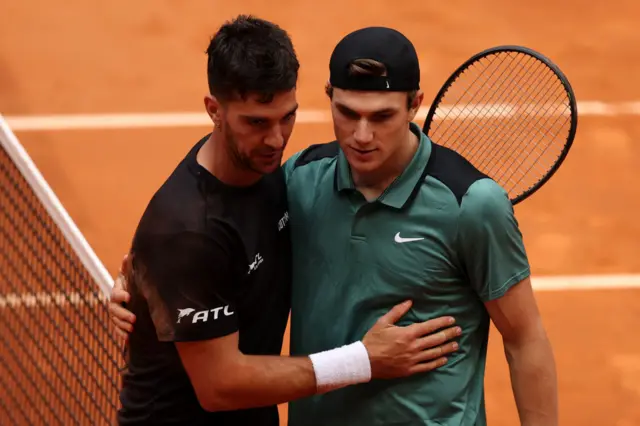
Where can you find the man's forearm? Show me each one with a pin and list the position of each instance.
(267, 380)
(534, 381)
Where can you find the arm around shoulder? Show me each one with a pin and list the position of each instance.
(189, 283)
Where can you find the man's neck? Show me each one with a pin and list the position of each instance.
(372, 185)
(215, 157)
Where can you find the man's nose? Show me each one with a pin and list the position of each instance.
(363, 132)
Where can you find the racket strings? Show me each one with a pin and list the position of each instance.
(476, 115)
(510, 117)
(500, 106)
(538, 128)
(461, 110)
(470, 86)
(529, 153)
(524, 173)
(495, 108)
(458, 101)
(526, 155)
(513, 181)
(513, 123)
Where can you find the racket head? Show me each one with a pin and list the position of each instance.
(555, 78)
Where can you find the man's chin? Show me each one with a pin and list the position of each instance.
(363, 164)
(266, 167)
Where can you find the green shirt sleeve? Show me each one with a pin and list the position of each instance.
(490, 243)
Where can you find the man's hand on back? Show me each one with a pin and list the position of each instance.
(122, 318)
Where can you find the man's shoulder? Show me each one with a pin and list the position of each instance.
(311, 158)
(178, 206)
(312, 153)
(486, 200)
(177, 202)
(317, 152)
(454, 171)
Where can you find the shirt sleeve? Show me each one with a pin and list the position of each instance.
(490, 243)
(188, 281)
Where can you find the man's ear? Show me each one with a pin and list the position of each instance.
(415, 105)
(212, 105)
(328, 89)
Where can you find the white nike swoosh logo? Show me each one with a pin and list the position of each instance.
(399, 239)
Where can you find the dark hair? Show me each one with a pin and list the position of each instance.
(249, 55)
(367, 67)
(363, 67)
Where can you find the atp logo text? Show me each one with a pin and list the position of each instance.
(204, 316)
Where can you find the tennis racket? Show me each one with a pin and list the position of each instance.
(509, 111)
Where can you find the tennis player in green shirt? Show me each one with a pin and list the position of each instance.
(383, 214)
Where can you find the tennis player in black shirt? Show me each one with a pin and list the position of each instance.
(208, 271)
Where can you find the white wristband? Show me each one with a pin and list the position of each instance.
(340, 367)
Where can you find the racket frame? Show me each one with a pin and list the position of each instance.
(559, 74)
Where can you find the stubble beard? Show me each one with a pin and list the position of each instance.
(243, 162)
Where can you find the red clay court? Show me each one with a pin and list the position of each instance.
(148, 57)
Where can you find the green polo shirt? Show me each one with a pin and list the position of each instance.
(442, 234)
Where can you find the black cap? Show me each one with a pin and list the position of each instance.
(384, 45)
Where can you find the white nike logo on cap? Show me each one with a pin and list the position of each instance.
(399, 239)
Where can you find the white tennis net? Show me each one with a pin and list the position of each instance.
(59, 360)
